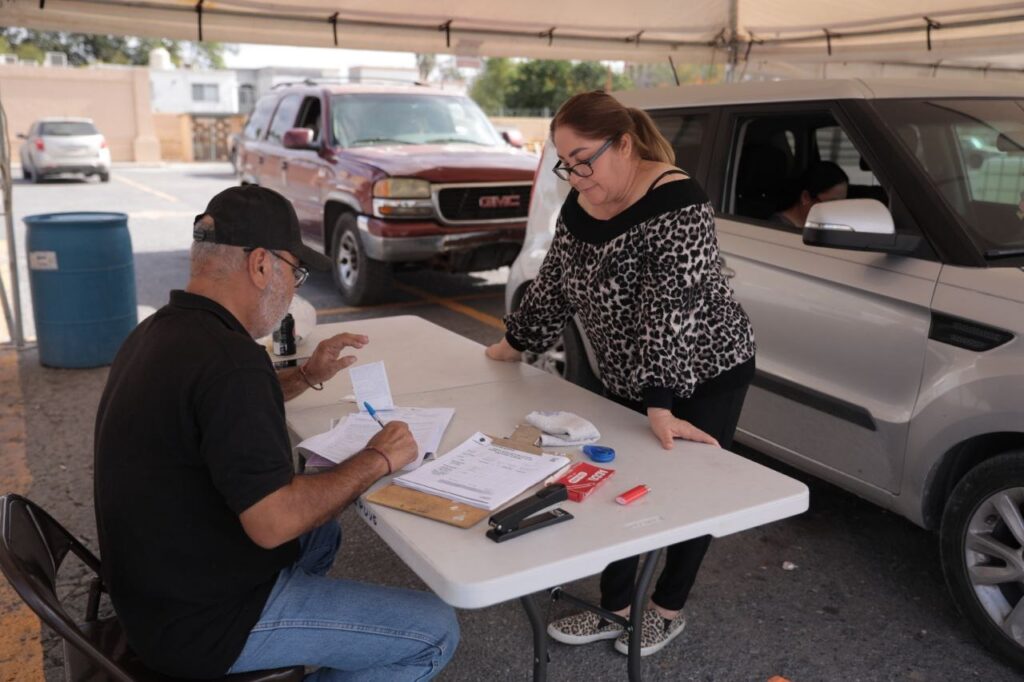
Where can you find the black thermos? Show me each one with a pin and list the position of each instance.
(284, 336)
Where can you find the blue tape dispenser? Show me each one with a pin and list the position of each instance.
(599, 453)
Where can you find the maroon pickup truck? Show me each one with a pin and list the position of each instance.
(387, 177)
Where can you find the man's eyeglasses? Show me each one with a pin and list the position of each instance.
(299, 272)
(583, 169)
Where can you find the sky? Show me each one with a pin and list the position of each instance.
(256, 56)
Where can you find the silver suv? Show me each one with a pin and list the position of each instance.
(890, 358)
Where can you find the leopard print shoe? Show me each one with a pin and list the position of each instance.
(583, 628)
(656, 632)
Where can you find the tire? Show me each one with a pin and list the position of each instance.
(981, 540)
(567, 359)
(105, 177)
(26, 174)
(360, 279)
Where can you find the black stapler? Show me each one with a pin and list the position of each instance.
(517, 519)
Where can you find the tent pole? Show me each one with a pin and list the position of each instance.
(13, 317)
(731, 35)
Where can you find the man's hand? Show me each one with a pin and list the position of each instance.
(504, 352)
(667, 428)
(397, 444)
(327, 360)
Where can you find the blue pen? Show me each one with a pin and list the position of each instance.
(373, 413)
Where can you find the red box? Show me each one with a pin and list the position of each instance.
(583, 478)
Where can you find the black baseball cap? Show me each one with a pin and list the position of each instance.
(256, 217)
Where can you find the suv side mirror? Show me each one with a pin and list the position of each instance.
(298, 138)
(858, 225)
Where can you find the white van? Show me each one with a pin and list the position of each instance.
(890, 359)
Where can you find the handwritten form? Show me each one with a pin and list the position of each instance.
(353, 432)
(481, 473)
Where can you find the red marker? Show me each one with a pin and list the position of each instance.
(633, 494)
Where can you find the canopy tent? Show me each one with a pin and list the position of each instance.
(700, 31)
(794, 37)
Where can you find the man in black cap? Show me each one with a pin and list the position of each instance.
(214, 552)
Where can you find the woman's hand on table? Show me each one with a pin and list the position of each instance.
(667, 428)
(327, 360)
(503, 351)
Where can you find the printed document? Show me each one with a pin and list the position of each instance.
(353, 432)
(370, 384)
(481, 473)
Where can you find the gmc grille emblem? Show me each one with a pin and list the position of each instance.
(499, 201)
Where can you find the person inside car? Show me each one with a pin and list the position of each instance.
(822, 181)
(635, 257)
(215, 553)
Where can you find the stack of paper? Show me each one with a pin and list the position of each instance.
(482, 474)
(353, 433)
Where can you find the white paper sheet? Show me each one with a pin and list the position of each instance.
(370, 384)
(482, 474)
(353, 432)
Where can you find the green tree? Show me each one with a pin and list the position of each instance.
(491, 88)
(540, 85)
(86, 48)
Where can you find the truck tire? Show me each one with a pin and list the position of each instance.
(360, 279)
(982, 536)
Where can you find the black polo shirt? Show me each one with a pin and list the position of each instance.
(190, 433)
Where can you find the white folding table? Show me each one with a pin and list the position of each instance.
(697, 489)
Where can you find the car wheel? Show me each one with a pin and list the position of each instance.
(567, 359)
(982, 542)
(26, 174)
(360, 279)
(105, 177)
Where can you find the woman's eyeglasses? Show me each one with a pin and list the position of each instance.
(583, 169)
(299, 272)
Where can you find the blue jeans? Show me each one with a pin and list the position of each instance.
(351, 630)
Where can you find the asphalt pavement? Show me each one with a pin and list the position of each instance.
(845, 591)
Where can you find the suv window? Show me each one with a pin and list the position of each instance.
(771, 152)
(382, 118)
(257, 123)
(284, 118)
(685, 132)
(972, 151)
(309, 117)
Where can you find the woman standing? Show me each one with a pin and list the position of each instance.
(636, 258)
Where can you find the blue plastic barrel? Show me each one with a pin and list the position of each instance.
(82, 277)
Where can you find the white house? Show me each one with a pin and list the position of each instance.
(187, 91)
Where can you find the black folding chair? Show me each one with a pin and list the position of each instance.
(32, 548)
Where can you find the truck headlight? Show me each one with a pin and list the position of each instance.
(402, 198)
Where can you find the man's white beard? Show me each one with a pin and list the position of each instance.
(273, 306)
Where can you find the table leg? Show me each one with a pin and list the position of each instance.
(636, 613)
(540, 638)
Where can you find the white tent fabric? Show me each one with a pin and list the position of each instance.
(634, 30)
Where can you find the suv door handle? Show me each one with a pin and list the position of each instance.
(727, 272)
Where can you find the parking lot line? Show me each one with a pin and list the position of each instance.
(146, 188)
(452, 304)
(402, 304)
(22, 657)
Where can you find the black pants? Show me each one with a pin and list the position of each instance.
(716, 414)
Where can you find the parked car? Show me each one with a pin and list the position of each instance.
(889, 329)
(54, 146)
(385, 177)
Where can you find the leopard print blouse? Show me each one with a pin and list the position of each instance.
(648, 289)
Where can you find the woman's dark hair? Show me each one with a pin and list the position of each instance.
(816, 178)
(822, 176)
(599, 116)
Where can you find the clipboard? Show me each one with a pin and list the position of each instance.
(441, 509)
